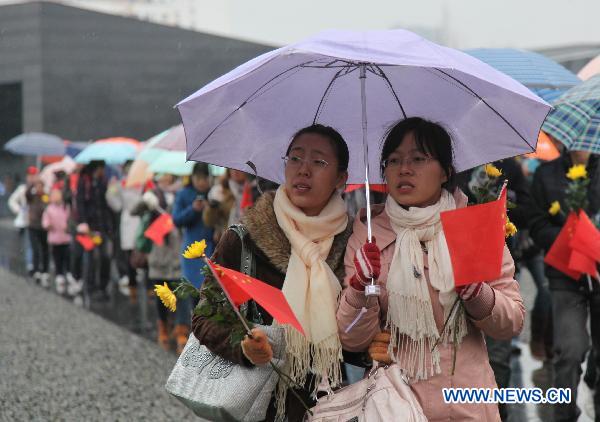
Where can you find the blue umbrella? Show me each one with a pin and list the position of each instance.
(111, 151)
(36, 143)
(546, 78)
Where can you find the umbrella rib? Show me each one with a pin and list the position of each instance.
(486, 103)
(328, 90)
(389, 83)
(249, 98)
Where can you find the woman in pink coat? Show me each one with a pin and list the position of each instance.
(410, 261)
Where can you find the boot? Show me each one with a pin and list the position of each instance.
(163, 335)
(182, 332)
(60, 282)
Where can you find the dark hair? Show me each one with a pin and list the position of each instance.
(430, 138)
(337, 142)
(200, 169)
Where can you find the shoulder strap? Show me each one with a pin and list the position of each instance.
(247, 257)
(247, 266)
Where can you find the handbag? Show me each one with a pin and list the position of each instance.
(219, 390)
(384, 395)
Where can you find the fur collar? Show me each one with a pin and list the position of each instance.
(266, 234)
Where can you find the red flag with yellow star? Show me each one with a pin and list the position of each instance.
(242, 288)
(475, 237)
(560, 252)
(586, 238)
(159, 228)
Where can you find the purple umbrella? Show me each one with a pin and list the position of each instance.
(360, 83)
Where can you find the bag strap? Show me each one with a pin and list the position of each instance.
(248, 267)
(247, 257)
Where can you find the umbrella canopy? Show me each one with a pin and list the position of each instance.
(172, 139)
(111, 151)
(590, 69)
(543, 76)
(172, 162)
(354, 81)
(35, 143)
(575, 119)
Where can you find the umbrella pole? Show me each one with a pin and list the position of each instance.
(372, 289)
(363, 100)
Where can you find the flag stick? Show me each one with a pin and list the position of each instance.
(235, 308)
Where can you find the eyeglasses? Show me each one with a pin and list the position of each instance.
(414, 162)
(295, 162)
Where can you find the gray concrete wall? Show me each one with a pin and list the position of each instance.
(89, 75)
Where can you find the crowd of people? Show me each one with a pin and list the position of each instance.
(304, 241)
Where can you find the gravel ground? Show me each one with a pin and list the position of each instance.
(59, 362)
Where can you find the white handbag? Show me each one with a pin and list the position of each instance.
(219, 390)
(383, 396)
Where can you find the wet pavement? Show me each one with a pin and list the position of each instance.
(139, 318)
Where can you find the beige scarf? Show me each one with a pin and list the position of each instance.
(311, 289)
(410, 313)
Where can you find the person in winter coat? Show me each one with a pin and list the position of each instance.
(122, 200)
(518, 192)
(220, 203)
(55, 220)
(36, 203)
(571, 299)
(297, 236)
(409, 259)
(190, 205)
(164, 264)
(17, 203)
(95, 217)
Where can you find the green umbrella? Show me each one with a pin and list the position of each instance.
(172, 162)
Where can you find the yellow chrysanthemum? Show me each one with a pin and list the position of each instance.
(45, 199)
(578, 171)
(510, 229)
(554, 208)
(97, 239)
(492, 171)
(167, 297)
(195, 250)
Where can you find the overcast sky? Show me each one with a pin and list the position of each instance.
(456, 23)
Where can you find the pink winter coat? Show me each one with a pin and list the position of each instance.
(55, 219)
(497, 311)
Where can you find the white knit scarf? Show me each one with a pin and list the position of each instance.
(410, 313)
(312, 290)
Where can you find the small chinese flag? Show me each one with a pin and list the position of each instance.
(85, 241)
(242, 288)
(159, 228)
(246, 200)
(586, 238)
(475, 238)
(560, 252)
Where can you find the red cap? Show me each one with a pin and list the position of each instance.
(31, 170)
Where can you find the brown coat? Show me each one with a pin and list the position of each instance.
(500, 312)
(271, 255)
